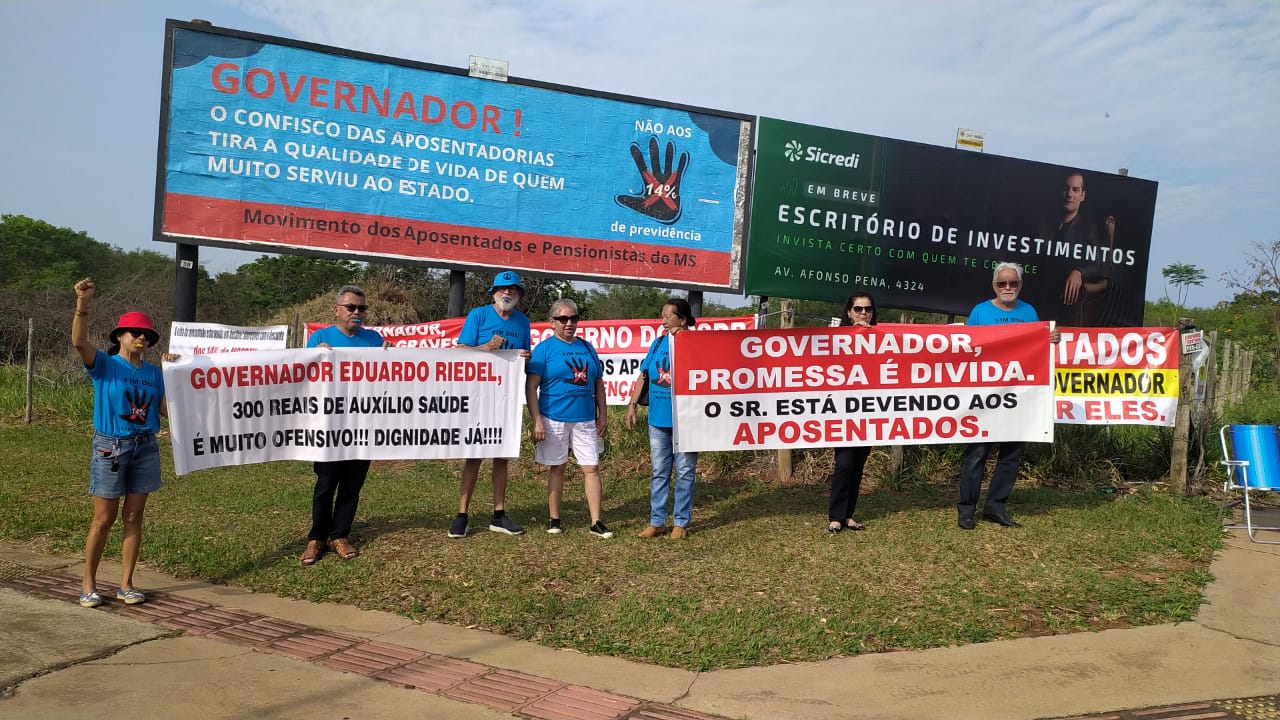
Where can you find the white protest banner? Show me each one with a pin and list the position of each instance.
(325, 404)
(622, 344)
(1116, 376)
(883, 385)
(193, 338)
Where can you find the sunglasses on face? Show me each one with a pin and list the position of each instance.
(861, 309)
(565, 319)
(134, 332)
(1008, 284)
(351, 307)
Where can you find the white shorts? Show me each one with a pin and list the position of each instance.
(554, 450)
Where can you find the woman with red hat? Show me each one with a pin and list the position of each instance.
(128, 400)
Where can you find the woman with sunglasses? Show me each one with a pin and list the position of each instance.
(564, 391)
(846, 478)
(655, 373)
(128, 400)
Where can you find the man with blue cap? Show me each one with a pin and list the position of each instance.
(500, 326)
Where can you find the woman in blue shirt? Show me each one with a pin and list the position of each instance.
(655, 372)
(564, 391)
(128, 400)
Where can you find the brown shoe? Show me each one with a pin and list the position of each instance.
(315, 548)
(344, 548)
(677, 533)
(651, 531)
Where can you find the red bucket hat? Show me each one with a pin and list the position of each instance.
(135, 321)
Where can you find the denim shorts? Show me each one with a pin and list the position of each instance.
(124, 466)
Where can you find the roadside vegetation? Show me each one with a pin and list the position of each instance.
(759, 580)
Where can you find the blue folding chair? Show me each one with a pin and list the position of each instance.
(1252, 456)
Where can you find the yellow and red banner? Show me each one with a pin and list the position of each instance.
(1116, 376)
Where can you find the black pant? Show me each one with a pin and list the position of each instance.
(331, 520)
(975, 466)
(846, 482)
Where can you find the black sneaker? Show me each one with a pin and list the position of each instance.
(599, 530)
(503, 524)
(553, 526)
(458, 529)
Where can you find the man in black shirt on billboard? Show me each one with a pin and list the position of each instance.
(1089, 296)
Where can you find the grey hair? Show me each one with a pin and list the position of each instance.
(1007, 266)
(348, 290)
(563, 303)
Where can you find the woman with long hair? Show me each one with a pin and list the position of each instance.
(655, 374)
(846, 479)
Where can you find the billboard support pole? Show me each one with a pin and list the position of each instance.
(695, 302)
(457, 283)
(784, 455)
(185, 276)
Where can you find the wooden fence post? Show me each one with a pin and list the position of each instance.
(31, 365)
(1182, 422)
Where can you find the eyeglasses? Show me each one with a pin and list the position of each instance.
(1008, 283)
(565, 319)
(355, 308)
(861, 309)
(506, 288)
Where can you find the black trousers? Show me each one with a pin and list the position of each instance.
(846, 482)
(975, 466)
(334, 501)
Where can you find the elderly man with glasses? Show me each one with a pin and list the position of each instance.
(500, 326)
(1004, 308)
(338, 483)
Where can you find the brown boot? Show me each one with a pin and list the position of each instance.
(677, 533)
(651, 531)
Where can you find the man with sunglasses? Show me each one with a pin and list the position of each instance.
(500, 326)
(1004, 308)
(338, 483)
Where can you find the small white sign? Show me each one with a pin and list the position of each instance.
(971, 139)
(487, 68)
(1192, 342)
(189, 339)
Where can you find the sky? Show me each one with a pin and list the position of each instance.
(1186, 93)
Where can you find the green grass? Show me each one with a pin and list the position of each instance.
(759, 581)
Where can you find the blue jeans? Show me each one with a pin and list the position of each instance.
(662, 457)
(124, 466)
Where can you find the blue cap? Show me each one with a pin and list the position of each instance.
(506, 278)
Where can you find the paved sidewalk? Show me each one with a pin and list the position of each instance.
(216, 652)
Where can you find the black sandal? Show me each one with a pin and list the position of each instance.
(854, 524)
(834, 527)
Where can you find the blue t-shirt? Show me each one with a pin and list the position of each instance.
(126, 400)
(569, 372)
(334, 337)
(986, 313)
(658, 364)
(485, 322)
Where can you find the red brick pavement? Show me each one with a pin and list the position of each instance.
(503, 690)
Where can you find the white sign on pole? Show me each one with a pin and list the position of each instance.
(969, 139)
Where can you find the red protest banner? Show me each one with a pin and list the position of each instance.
(884, 385)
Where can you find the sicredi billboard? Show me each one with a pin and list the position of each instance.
(280, 146)
(922, 227)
